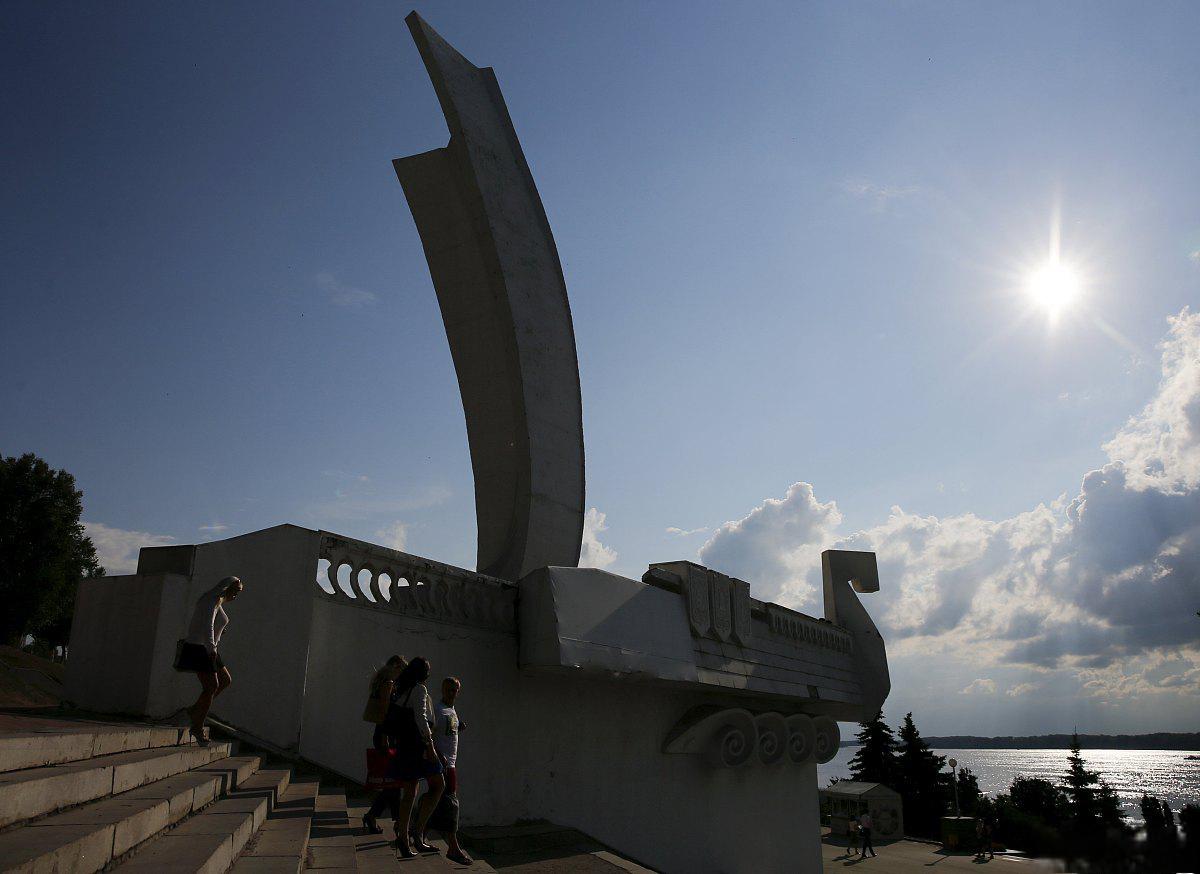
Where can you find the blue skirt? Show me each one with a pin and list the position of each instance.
(413, 767)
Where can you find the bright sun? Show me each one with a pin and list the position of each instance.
(1055, 287)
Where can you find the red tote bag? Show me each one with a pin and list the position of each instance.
(378, 764)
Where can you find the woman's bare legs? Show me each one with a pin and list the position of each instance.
(408, 789)
(198, 712)
(428, 802)
(224, 680)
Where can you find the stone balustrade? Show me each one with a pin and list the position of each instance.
(418, 587)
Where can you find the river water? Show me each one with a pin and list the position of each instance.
(1167, 774)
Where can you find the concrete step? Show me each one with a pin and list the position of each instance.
(233, 771)
(209, 841)
(32, 792)
(281, 845)
(86, 838)
(31, 742)
(331, 838)
(532, 844)
(375, 853)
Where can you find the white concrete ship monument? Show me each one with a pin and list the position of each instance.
(675, 718)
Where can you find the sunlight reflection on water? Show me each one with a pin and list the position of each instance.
(1167, 774)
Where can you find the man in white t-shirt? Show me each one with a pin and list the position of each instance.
(445, 739)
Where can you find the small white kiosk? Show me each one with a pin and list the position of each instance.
(850, 798)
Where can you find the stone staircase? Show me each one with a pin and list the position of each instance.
(83, 796)
(79, 796)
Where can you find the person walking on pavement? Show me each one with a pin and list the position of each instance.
(864, 828)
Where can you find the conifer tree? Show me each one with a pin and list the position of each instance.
(875, 761)
(922, 785)
(1091, 802)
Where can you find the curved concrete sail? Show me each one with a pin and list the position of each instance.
(504, 304)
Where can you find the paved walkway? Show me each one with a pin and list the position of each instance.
(908, 857)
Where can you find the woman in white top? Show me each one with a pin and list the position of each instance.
(409, 726)
(198, 652)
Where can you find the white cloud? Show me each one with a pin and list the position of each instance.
(776, 544)
(343, 295)
(981, 686)
(214, 528)
(394, 536)
(1160, 446)
(117, 549)
(594, 553)
(1021, 689)
(1099, 590)
(879, 196)
(685, 532)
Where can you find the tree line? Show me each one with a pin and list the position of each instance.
(44, 551)
(1158, 740)
(1078, 818)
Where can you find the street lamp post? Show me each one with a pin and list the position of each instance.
(954, 783)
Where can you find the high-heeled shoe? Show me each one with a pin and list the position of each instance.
(371, 826)
(198, 734)
(405, 852)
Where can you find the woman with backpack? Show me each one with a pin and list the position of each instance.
(410, 725)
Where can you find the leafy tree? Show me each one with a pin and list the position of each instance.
(1039, 798)
(1152, 814)
(875, 761)
(970, 798)
(1030, 814)
(1161, 844)
(1189, 821)
(44, 552)
(921, 783)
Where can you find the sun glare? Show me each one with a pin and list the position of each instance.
(1055, 286)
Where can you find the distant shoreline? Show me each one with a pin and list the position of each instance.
(1186, 741)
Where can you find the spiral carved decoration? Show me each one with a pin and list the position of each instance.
(829, 738)
(732, 737)
(772, 737)
(802, 738)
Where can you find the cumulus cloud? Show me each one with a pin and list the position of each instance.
(117, 549)
(775, 545)
(594, 553)
(343, 295)
(1160, 446)
(1021, 689)
(394, 536)
(983, 685)
(685, 532)
(1103, 585)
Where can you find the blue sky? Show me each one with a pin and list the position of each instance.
(795, 238)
